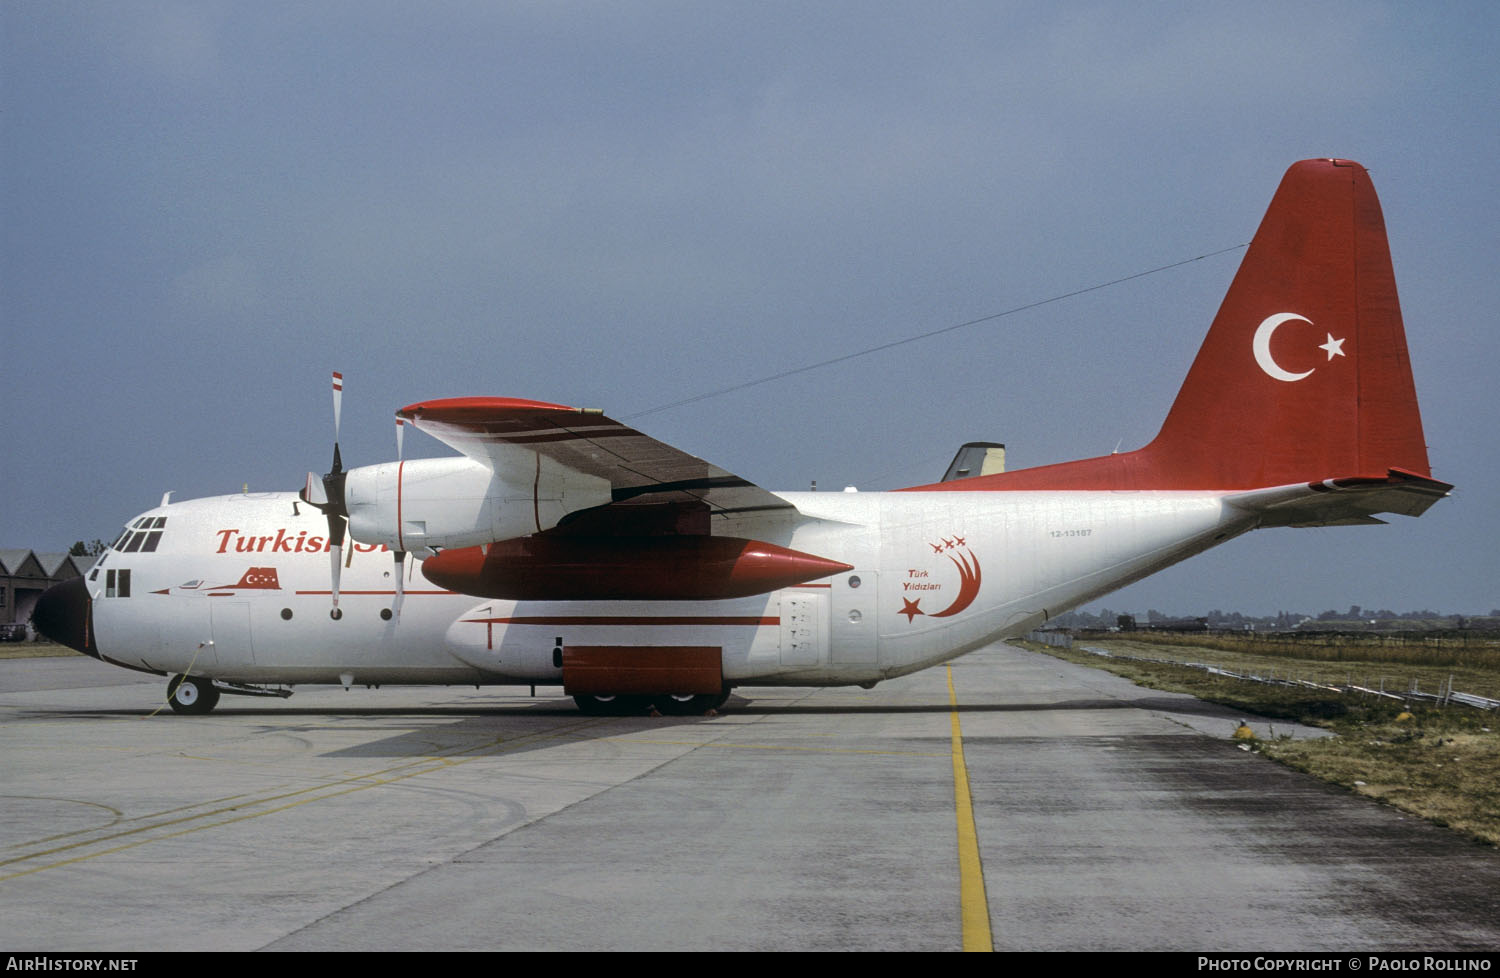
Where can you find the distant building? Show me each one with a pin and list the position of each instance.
(24, 575)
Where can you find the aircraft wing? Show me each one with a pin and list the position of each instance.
(655, 488)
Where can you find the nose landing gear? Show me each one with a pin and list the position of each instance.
(191, 695)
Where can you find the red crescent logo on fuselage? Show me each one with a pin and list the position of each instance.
(959, 552)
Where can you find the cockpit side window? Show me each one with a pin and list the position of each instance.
(117, 583)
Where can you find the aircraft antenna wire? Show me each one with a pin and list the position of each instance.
(922, 336)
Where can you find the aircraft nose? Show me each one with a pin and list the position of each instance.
(63, 614)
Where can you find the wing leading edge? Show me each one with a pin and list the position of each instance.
(653, 486)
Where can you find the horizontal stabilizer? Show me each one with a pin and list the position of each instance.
(1343, 502)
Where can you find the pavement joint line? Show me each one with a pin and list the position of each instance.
(810, 750)
(973, 903)
(359, 782)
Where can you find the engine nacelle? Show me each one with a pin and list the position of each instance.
(429, 503)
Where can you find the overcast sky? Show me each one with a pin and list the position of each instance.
(208, 206)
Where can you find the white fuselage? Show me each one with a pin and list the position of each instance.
(237, 589)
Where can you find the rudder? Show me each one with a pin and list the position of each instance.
(1304, 374)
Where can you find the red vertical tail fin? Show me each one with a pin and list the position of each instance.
(1304, 374)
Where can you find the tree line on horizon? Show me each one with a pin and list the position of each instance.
(1219, 619)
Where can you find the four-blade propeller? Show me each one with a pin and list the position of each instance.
(326, 493)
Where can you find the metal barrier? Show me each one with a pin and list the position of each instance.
(1443, 697)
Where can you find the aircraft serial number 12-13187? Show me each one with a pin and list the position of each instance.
(565, 548)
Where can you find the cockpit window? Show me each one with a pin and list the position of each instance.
(141, 536)
(117, 584)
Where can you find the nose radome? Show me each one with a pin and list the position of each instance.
(62, 614)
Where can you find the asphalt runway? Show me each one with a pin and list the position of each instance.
(1104, 816)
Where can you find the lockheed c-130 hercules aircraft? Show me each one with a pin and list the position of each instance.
(562, 547)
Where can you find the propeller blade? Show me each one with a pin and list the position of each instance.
(313, 492)
(336, 527)
(327, 494)
(399, 429)
(338, 403)
(335, 558)
(400, 583)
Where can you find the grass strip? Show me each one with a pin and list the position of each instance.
(1440, 763)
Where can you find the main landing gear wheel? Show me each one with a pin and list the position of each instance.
(191, 695)
(669, 704)
(610, 705)
(689, 704)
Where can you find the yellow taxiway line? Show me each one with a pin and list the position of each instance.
(974, 904)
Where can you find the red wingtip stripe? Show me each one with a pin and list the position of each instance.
(461, 410)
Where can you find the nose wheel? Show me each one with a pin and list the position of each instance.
(191, 695)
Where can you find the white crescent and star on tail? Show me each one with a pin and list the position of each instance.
(1261, 346)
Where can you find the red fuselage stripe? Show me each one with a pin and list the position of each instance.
(409, 594)
(623, 620)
